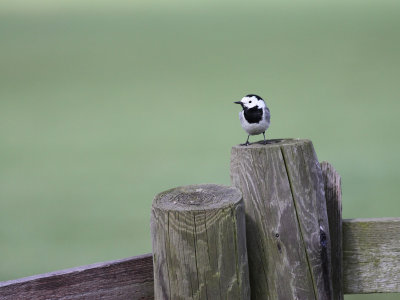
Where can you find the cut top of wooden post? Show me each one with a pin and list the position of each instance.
(272, 143)
(197, 198)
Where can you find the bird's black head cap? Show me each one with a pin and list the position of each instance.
(252, 95)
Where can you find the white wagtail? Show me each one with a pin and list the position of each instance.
(255, 116)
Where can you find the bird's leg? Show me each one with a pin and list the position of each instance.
(265, 141)
(247, 142)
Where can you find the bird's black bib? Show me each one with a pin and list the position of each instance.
(253, 115)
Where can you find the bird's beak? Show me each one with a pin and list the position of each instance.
(238, 102)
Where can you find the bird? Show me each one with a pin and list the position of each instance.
(255, 116)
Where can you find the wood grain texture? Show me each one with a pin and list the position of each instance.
(199, 244)
(371, 255)
(130, 278)
(367, 269)
(333, 195)
(287, 225)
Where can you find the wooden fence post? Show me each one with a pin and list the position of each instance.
(199, 243)
(333, 195)
(287, 227)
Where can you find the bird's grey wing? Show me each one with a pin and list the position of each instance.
(267, 114)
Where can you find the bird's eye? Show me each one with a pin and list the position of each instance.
(250, 101)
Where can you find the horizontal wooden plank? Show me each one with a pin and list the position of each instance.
(371, 264)
(371, 255)
(130, 278)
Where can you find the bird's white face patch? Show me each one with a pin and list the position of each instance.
(253, 101)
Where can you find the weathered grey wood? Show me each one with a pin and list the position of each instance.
(199, 243)
(371, 255)
(287, 225)
(130, 278)
(371, 265)
(333, 195)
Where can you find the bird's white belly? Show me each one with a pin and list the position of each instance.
(253, 128)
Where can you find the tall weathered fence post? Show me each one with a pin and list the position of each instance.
(199, 244)
(287, 227)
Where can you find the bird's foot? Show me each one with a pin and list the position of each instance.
(245, 144)
(265, 141)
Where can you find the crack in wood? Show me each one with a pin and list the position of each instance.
(299, 224)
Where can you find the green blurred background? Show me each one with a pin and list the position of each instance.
(104, 104)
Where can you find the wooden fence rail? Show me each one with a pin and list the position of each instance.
(371, 264)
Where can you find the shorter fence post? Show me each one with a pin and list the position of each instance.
(199, 243)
